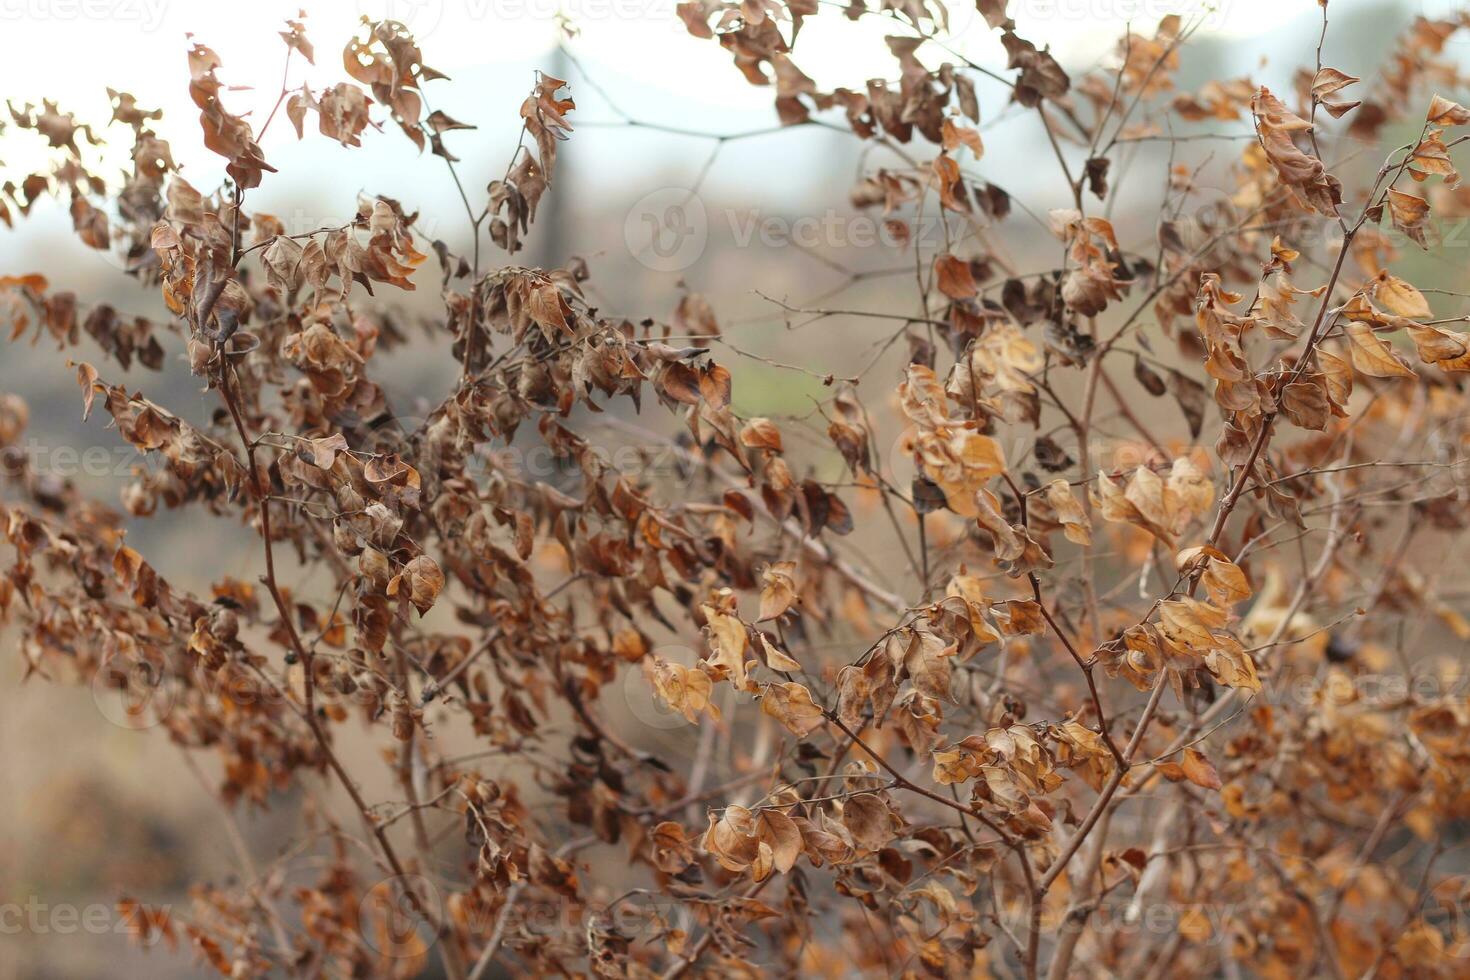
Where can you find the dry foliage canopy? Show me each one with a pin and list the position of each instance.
(1194, 712)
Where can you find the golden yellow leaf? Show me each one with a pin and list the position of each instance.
(778, 593)
(1373, 356)
(792, 705)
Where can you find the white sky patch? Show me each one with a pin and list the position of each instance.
(72, 50)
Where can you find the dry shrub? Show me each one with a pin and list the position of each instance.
(1198, 714)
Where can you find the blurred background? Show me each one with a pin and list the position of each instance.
(663, 121)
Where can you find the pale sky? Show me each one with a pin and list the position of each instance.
(638, 50)
(70, 50)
